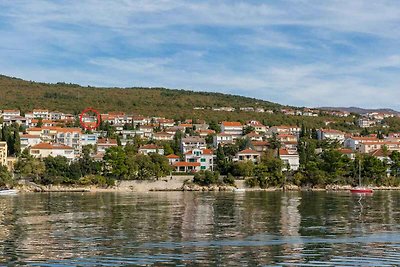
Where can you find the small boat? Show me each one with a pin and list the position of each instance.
(361, 189)
(8, 192)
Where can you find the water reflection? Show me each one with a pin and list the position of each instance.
(202, 229)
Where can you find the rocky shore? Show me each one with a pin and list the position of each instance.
(177, 184)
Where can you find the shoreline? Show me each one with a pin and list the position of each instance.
(178, 184)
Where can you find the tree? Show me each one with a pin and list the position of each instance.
(248, 129)
(5, 177)
(395, 164)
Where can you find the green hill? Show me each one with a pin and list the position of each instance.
(170, 103)
(17, 93)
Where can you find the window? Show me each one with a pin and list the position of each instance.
(203, 160)
(203, 167)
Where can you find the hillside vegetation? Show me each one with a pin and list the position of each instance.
(176, 104)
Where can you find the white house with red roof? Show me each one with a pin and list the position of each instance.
(258, 126)
(355, 141)
(291, 159)
(163, 136)
(183, 166)
(330, 134)
(205, 157)
(104, 143)
(172, 158)
(233, 128)
(151, 148)
(248, 154)
(10, 113)
(44, 150)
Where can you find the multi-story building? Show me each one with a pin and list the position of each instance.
(151, 148)
(192, 142)
(233, 128)
(44, 150)
(205, 157)
(248, 155)
(291, 160)
(329, 134)
(222, 139)
(41, 113)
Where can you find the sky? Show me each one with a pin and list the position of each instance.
(296, 52)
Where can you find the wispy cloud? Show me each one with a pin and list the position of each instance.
(305, 52)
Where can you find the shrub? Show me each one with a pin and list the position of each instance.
(229, 180)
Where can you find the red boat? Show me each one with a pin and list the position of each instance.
(361, 190)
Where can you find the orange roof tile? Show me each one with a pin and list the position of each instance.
(231, 123)
(50, 146)
(186, 164)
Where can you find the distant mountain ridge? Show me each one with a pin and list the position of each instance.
(361, 110)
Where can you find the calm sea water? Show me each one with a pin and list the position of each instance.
(200, 229)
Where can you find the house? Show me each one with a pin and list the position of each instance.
(88, 139)
(3, 153)
(56, 115)
(365, 123)
(368, 147)
(205, 132)
(22, 121)
(104, 143)
(163, 123)
(381, 154)
(28, 140)
(222, 139)
(294, 130)
(248, 154)
(147, 130)
(291, 159)
(172, 158)
(258, 126)
(41, 113)
(163, 136)
(151, 148)
(233, 128)
(9, 113)
(183, 166)
(205, 157)
(355, 141)
(348, 152)
(329, 134)
(69, 137)
(282, 137)
(192, 142)
(44, 150)
(260, 146)
(253, 136)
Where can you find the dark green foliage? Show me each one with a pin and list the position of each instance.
(5, 177)
(206, 178)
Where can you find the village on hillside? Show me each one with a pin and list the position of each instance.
(189, 146)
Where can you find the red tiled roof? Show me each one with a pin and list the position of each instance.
(106, 141)
(248, 151)
(150, 146)
(172, 156)
(50, 146)
(231, 123)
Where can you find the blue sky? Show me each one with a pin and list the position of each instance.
(298, 52)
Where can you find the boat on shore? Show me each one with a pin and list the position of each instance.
(8, 192)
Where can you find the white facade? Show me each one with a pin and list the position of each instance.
(290, 159)
(192, 142)
(203, 156)
(44, 150)
(222, 139)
